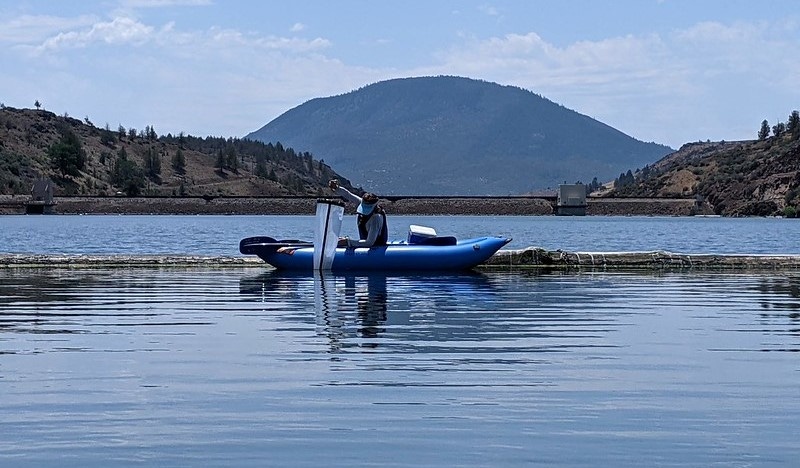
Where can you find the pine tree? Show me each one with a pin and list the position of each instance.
(179, 162)
(127, 175)
(261, 167)
(231, 162)
(68, 155)
(793, 124)
(764, 132)
(778, 129)
(220, 163)
(153, 164)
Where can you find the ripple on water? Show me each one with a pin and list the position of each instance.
(179, 367)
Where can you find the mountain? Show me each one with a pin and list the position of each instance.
(82, 159)
(456, 136)
(742, 178)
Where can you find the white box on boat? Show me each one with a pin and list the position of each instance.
(417, 233)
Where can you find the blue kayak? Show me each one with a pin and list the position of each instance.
(438, 254)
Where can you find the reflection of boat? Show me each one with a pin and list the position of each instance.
(439, 254)
(275, 284)
(363, 310)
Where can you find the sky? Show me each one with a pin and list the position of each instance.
(666, 71)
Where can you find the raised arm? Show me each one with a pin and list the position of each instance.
(343, 192)
(347, 195)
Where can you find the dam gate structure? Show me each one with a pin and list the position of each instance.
(41, 201)
(571, 200)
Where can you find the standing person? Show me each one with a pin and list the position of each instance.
(372, 230)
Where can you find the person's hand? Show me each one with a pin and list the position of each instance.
(333, 184)
(343, 242)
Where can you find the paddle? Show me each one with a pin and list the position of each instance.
(254, 245)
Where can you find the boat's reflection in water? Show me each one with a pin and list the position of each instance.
(368, 294)
(363, 305)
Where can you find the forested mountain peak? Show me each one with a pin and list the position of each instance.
(453, 135)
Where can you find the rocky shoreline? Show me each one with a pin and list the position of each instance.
(481, 206)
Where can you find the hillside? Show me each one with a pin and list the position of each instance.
(456, 136)
(83, 159)
(745, 178)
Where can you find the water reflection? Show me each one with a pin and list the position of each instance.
(95, 305)
(779, 298)
(331, 303)
(238, 366)
(780, 293)
(523, 312)
(363, 302)
(471, 313)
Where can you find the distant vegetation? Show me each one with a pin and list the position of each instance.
(86, 160)
(759, 177)
(747, 178)
(792, 126)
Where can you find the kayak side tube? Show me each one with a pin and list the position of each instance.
(462, 255)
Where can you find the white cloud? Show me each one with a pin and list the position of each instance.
(672, 88)
(163, 3)
(647, 85)
(118, 31)
(235, 38)
(531, 62)
(218, 81)
(128, 31)
(27, 29)
(709, 32)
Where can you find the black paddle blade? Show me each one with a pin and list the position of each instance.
(261, 244)
(250, 245)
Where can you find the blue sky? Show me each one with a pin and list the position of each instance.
(669, 71)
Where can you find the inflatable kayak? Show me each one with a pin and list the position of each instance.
(432, 254)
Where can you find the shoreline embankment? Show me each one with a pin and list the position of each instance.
(531, 258)
(451, 205)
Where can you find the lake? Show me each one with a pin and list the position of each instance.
(220, 235)
(250, 367)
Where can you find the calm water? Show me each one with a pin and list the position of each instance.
(248, 367)
(220, 235)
